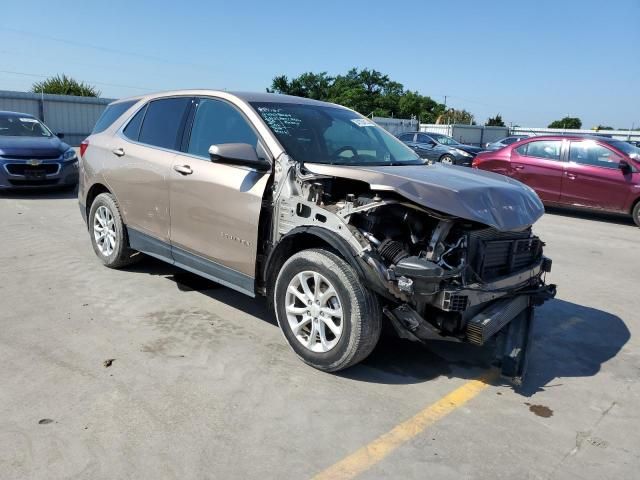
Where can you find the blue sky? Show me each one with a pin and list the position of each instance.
(532, 61)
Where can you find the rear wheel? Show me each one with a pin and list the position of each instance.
(636, 213)
(447, 160)
(108, 233)
(330, 320)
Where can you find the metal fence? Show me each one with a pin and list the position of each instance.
(396, 126)
(468, 134)
(72, 116)
(619, 134)
(481, 135)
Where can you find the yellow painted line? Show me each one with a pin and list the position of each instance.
(367, 456)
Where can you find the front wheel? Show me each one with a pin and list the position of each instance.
(636, 213)
(330, 320)
(448, 160)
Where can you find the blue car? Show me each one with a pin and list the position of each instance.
(31, 156)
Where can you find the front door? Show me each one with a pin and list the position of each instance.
(593, 177)
(538, 164)
(215, 208)
(427, 148)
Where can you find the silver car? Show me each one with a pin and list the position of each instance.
(315, 207)
(498, 144)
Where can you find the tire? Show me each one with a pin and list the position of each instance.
(116, 253)
(636, 213)
(447, 160)
(360, 321)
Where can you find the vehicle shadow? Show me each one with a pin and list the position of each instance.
(571, 340)
(568, 340)
(590, 215)
(40, 194)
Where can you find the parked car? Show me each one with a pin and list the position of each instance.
(31, 156)
(498, 144)
(322, 211)
(436, 147)
(596, 173)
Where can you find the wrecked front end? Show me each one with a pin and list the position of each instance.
(441, 276)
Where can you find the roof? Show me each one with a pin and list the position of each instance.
(16, 114)
(245, 96)
(574, 136)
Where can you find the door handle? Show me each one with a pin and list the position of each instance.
(519, 167)
(118, 152)
(571, 176)
(183, 169)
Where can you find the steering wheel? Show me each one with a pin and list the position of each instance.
(344, 149)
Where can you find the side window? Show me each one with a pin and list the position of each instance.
(509, 140)
(161, 126)
(217, 122)
(424, 138)
(549, 149)
(132, 130)
(590, 153)
(406, 137)
(111, 114)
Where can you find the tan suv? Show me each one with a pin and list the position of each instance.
(334, 220)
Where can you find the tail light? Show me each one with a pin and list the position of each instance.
(83, 147)
(474, 163)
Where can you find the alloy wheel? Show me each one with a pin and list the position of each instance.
(314, 311)
(104, 230)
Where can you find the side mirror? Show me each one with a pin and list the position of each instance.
(60, 135)
(625, 166)
(238, 154)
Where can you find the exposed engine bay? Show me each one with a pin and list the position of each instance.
(441, 277)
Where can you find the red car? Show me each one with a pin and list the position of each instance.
(596, 173)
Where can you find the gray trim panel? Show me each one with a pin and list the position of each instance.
(191, 262)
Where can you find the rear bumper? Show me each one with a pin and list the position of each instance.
(16, 174)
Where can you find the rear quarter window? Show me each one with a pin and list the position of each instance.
(111, 114)
(163, 122)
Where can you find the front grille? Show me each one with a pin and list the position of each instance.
(494, 254)
(24, 169)
(33, 183)
(37, 156)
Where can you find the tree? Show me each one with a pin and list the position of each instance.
(495, 121)
(369, 92)
(456, 116)
(566, 122)
(602, 127)
(63, 85)
(309, 85)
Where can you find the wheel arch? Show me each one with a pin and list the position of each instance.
(95, 190)
(304, 238)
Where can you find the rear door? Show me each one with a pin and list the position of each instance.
(215, 208)
(144, 153)
(539, 165)
(593, 177)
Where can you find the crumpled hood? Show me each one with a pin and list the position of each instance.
(494, 200)
(40, 146)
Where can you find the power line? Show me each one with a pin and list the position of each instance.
(102, 48)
